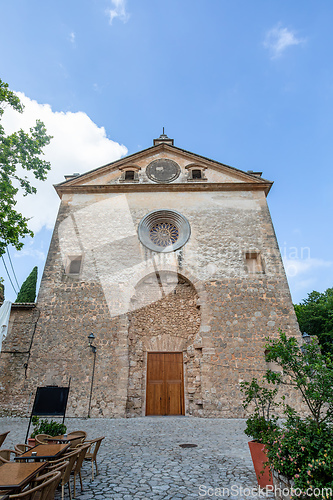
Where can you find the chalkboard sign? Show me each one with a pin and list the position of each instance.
(51, 401)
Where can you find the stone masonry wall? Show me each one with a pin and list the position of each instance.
(14, 357)
(170, 324)
(238, 309)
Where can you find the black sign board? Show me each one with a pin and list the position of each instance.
(50, 401)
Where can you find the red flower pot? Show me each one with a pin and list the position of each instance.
(31, 441)
(259, 458)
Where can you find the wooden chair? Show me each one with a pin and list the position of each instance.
(5, 455)
(22, 448)
(78, 464)
(92, 454)
(42, 438)
(3, 437)
(43, 491)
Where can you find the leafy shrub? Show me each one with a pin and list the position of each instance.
(261, 424)
(302, 447)
(304, 452)
(52, 428)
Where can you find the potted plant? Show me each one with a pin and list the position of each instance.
(261, 426)
(44, 426)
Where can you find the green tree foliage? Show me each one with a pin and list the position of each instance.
(18, 150)
(315, 317)
(308, 370)
(27, 292)
(300, 446)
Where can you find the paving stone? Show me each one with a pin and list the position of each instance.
(141, 458)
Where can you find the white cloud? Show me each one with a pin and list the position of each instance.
(78, 145)
(31, 252)
(296, 267)
(72, 37)
(278, 39)
(118, 10)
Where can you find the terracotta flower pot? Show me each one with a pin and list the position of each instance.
(259, 458)
(31, 442)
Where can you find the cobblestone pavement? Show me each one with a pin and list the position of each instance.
(141, 458)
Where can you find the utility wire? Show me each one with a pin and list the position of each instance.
(10, 260)
(4, 263)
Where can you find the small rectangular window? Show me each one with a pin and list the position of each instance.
(253, 262)
(196, 174)
(129, 175)
(75, 265)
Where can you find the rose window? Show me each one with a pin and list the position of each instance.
(164, 230)
(164, 234)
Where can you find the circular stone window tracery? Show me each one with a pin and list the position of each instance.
(164, 230)
(163, 170)
(164, 234)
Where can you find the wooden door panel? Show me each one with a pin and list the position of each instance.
(155, 399)
(165, 393)
(173, 365)
(174, 398)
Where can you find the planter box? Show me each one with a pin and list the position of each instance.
(259, 458)
(282, 486)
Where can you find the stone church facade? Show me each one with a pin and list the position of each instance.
(170, 259)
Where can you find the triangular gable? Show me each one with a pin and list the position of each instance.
(109, 174)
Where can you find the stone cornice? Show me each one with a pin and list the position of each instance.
(175, 187)
(22, 305)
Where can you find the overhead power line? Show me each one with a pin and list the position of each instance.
(10, 260)
(10, 279)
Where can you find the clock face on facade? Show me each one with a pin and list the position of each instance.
(163, 170)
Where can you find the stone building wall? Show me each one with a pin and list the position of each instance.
(203, 299)
(15, 396)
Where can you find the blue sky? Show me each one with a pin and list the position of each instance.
(249, 84)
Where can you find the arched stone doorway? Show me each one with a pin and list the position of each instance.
(165, 318)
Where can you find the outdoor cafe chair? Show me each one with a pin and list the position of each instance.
(80, 437)
(92, 454)
(78, 464)
(43, 491)
(3, 437)
(65, 478)
(42, 438)
(5, 455)
(60, 467)
(22, 448)
(78, 434)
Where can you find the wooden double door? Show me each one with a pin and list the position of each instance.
(165, 384)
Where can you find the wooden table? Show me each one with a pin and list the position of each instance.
(44, 452)
(15, 475)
